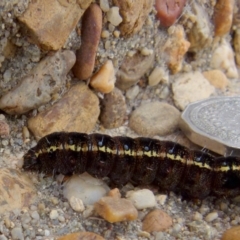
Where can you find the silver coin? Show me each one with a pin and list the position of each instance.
(214, 123)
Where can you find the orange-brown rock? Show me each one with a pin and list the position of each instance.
(175, 48)
(114, 209)
(156, 221)
(49, 23)
(81, 236)
(90, 37)
(217, 78)
(231, 234)
(17, 190)
(134, 14)
(76, 111)
(223, 16)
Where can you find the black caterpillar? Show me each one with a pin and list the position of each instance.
(171, 166)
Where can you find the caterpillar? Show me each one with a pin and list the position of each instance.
(170, 166)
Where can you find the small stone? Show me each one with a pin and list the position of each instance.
(105, 34)
(113, 16)
(113, 109)
(114, 193)
(4, 127)
(104, 5)
(211, 216)
(132, 92)
(190, 87)
(39, 85)
(59, 13)
(134, 14)
(132, 69)
(236, 44)
(76, 204)
(86, 188)
(223, 10)
(17, 233)
(162, 198)
(157, 221)
(116, 209)
(231, 234)
(197, 216)
(35, 215)
(155, 118)
(81, 235)
(168, 11)
(78, 105)
(142, 199)
(158, 75)
(217, 78)
(104, 80)
(90, 37)
(146, 51)
(175, 48)
(223, 59)
(53, 214)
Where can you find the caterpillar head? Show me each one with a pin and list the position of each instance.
(30, 161)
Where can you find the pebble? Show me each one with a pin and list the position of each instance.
(76, 204)
(4, 127)
(134, 14)
(113, 109)
(223, 10)
(157, 221)
(53, 214)
(17, 233)
(81, 235)
(113, 16)
(65, 15)
(161, 198)
(39, 85)
(197, 216)
(132, 69)
(236, 45)
(168, 11)
(132, 92)
(86, 188)
(231, 234)
(175, 48)
(78, 105)
(223, 59)
(217, 78)
(17, 190)
(158, 75)
(114, 209)
(104, 80)
(90, 37)
(190, 87)
(104, 5)
(155, 118)
(211, 217)
(142, 199)
(35, 215)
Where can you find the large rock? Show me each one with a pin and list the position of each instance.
(39, 85)
(50, 22)
(76, 111)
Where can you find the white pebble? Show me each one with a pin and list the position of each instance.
(104, 5)
(46, 232)
(113, 16)
(76, 204)
(132, 92)
(197, 216)
(211, 216)
(141, 199)
(53, 214)
(35, 215)
(161, 198)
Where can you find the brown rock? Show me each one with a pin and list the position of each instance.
(81, 236)
(231, 234)
(49, 23)
(157, 221)
(113, 109)
(90, 36)
(115, 209)
(168, 11)
(39, 85)
(217, 78)
(132, 69)
(17, 190)
(104, 80)
(155, 118)
(134, 14)
(223, 16)
(76, 111)
(4, 127)
(175, 48)
(236, 45)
